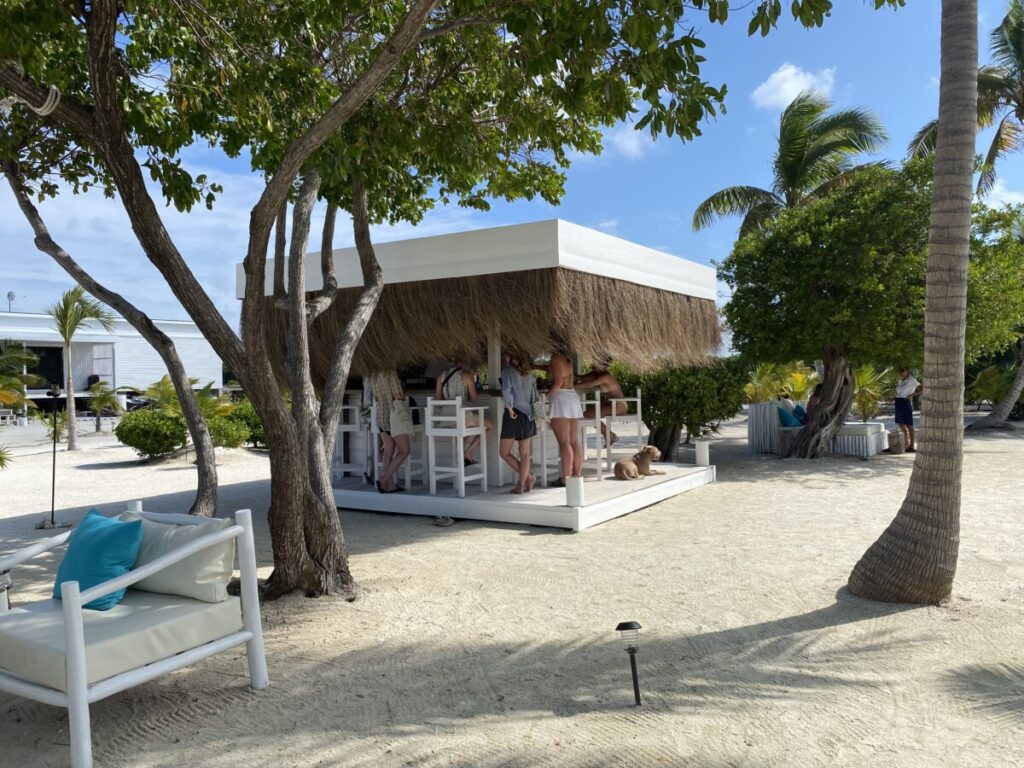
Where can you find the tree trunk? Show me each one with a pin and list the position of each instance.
(205, 502)
(915, 558)
(837, 391)
(70, 393)
(666, 440)
(1001, 410)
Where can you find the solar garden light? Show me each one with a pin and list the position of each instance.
(631, 639)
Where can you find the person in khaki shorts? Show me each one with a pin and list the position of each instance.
(394, 419)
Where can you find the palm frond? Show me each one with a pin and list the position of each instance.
(1007, 40)
(733, 201)
(1008, 138)
(74, 310)
(923, 143)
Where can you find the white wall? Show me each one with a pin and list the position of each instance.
(133, 361)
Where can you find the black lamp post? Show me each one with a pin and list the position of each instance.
(631, 639)
(54, 393)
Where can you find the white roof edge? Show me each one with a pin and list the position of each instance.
(541, 244)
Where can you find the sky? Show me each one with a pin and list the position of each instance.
(640, 189)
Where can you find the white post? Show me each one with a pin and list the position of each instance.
(135, 506)
(493, 359)
(431, 447)
(574, 491)
(77, 686)
(251, 620)
(703, 453)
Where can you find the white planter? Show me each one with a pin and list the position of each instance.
(703, 453)
(23, 421)
(574, 491)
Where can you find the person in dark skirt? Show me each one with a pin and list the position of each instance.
(517, 424)
(905, 389)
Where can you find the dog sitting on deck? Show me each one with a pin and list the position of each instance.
(638, 465)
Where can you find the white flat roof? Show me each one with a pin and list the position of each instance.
(513, 248)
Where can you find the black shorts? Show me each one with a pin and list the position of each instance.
(904, 411)
(521, 427)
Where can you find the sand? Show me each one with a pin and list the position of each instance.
(493, 645)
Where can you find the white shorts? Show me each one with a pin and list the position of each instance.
(565, 404)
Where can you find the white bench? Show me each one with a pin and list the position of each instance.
(54, 652)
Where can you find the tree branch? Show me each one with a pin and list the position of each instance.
(280, 244)
(322, 303)
(71, 112)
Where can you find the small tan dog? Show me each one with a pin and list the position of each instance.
(639, 465)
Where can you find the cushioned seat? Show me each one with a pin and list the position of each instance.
(143, 628)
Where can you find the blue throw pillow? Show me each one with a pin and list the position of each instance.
(100, 549)
(800, 413)
(787, 418)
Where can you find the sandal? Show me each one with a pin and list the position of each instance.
(443, 521)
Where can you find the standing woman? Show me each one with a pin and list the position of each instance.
(564, 412)
(904, 406)
(517, 424)
(394, 419)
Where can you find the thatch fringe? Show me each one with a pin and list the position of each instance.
(537, 311)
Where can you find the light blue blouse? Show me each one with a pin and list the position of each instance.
(517, 390)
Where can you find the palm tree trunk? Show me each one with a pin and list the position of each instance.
(1001, 410)
(70, 393)
(914, 560)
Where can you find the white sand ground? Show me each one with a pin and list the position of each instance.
(492, 645)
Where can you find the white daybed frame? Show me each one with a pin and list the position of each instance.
(79, 694)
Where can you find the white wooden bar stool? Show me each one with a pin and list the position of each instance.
(592, 426)
(353, 425)
(414, 466)
(446, 419)
(632, 421)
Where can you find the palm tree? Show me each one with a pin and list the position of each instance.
(815, 154)
(13, 379)
(1000, 98)
(103, 398)
(914, 560)
(69, 314)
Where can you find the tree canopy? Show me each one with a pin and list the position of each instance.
(847, 272)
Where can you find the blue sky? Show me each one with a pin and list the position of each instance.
(638, 189)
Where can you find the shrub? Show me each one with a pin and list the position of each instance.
(245, 413)
(227, 432)
(151, 433)
(62, 423)
(5, 456)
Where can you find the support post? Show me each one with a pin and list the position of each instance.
(636, 680)
(77, 688)
(494, 359)
(251, 620)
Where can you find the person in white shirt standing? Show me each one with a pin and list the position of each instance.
(905, 389)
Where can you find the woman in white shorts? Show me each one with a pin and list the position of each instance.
(394, 419)
(564, 411)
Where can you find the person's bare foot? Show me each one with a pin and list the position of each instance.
(530, 482)
(615, 439)
(517, 489)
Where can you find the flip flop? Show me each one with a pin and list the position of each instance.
(443, 521)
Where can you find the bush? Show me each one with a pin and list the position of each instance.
(227, 432)
(151, 433)
(46, 418)
(245, 413)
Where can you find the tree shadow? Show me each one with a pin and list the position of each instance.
(996, 690)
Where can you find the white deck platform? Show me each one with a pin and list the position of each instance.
(604, 499)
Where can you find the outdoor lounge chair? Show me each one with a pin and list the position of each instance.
(54, 652)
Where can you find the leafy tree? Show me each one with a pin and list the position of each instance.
(1000, 98)
(914, 560)
(70, 314)
(814, 156)
(240, 74)
(103, 398)
(842, 279)
(697, 397)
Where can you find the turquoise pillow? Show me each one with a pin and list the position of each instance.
(100, 549)
(800, 413)
(787, 418)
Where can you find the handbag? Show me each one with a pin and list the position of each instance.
(540, 413)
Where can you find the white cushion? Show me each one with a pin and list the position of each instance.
(202, 576)
(858, 428)
(143, 628)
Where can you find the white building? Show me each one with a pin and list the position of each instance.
(122, 358)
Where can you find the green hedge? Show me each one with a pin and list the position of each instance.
(245, 413)
(151, 433)
(227, 432)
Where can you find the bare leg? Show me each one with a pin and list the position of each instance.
(403, 447)
(910, 432)
(525, 478)
(387, 452)
(577, 449)
(905, 433)
(564, 434)
(505, 451)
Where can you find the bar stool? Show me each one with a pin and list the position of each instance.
(413, 466)
(630, 420)
(351, 424)
(446, 419)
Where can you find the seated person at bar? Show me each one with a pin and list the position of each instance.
(602, 380)
(458, 381)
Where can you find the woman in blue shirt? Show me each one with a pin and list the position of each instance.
(517, 424)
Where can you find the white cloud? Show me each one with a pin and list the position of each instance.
(786, 82)
(1003, 195)
(933, 83)
(609, 225)
(626, 141)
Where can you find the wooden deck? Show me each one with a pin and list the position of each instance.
(604, 499)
